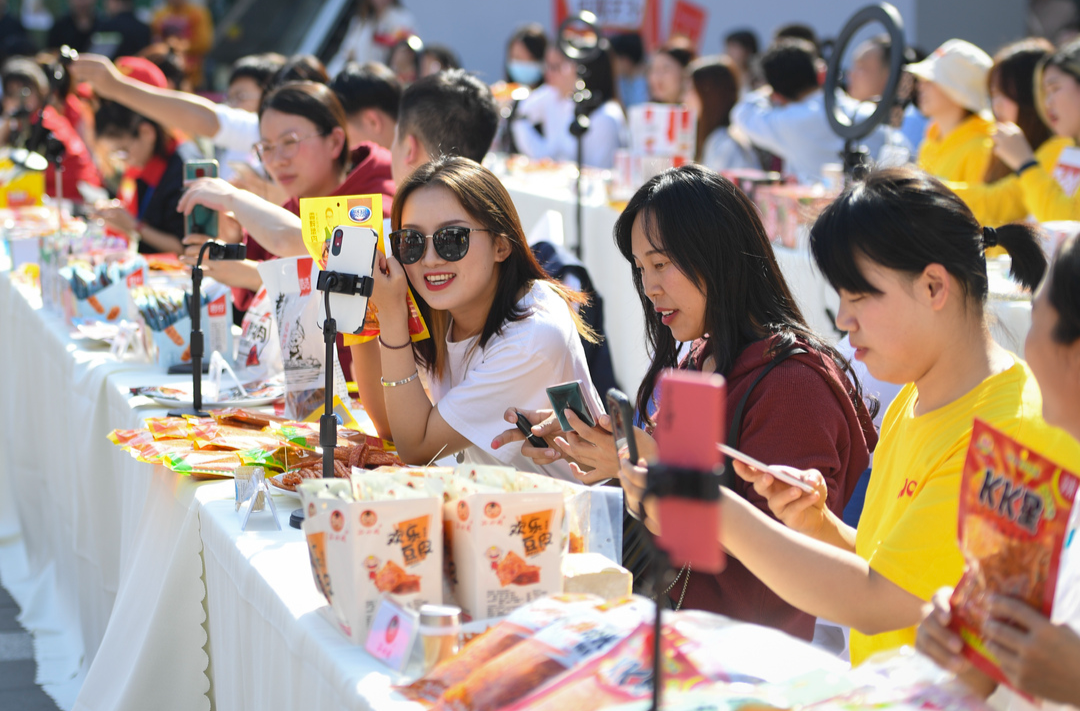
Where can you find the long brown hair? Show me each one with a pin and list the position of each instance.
(1013, 74)
(716, 81)
(485, 199)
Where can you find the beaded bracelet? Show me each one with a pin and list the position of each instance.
(403, 381)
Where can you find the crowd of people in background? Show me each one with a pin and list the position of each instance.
(974, 145)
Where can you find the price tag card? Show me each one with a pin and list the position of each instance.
(393, 632)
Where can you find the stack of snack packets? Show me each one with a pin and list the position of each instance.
(377, 534)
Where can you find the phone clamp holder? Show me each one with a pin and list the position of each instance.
(217, 251)
(339, 283)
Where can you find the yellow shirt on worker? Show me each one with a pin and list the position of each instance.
(907, 532)
(1014, 198)
(963, 155)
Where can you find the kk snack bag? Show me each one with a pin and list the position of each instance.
(1014, 513)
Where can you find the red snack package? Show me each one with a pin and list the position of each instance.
(520, 625)
(563, 645)
(130, 438)
(249, 419)
(1014, 514)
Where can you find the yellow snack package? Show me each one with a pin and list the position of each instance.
(319, 216)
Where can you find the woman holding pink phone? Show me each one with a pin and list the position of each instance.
(907, 257)
(707, 279)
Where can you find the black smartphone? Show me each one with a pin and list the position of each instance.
(570, 396)
(202, 220)
(622, 423)
(526, 429)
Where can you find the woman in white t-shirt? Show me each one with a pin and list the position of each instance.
(1040, 657)
(552, 107)
(712, 92)
(501, 330)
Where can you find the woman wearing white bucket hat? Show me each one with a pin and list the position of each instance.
(952, 94)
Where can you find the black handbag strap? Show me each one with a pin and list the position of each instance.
(736, 418)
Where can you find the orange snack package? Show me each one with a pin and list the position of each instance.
(1014, 514)
(168, 427)
(563, 645)
(521, 624)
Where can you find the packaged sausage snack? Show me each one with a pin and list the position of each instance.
(570, 641)
(521, 624)
(1014, 513)
(364, 548)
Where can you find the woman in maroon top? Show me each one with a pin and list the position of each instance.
(714, 299)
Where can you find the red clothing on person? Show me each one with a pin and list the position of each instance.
(801, 415)
(370, 176)
(78, 165)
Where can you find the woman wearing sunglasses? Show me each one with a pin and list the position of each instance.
(501, 330)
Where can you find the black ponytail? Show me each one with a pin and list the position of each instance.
(1028, 259)
(905, 219)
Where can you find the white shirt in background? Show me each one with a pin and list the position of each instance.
(800, 134)
(360, 43)
(236, 138)
(723, 151)
(513, 370)
(607, 129)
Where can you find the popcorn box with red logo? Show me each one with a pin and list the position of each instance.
(632, 170)
(505, 546)
(662, 130)
(787, 211)
(379, 535)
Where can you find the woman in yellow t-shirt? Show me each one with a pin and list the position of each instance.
(1040, 657)
(907, 257)
(1001, 198)
(952, 94)
(1049, 189)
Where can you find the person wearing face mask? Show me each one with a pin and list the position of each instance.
(524, 72)
(553, 109)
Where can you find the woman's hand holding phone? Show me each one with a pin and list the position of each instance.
(633, 479)
(797, 509)
(211, 193)
(544, 425)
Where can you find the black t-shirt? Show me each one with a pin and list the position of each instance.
(122, 35)
(157, 205)
(65, 32)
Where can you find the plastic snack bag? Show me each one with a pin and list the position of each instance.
(1014, 513)
(291, 289)
(563, 645)
(258, 351)
(520, 625)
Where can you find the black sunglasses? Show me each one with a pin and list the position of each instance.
(451, 243)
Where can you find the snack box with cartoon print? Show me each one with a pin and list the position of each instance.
(363, 548)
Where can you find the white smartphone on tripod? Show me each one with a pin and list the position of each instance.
(349, 250)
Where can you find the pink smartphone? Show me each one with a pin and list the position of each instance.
(779, 474)
(690, 419)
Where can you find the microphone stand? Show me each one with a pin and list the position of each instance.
(218, 251)
(578, 129)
